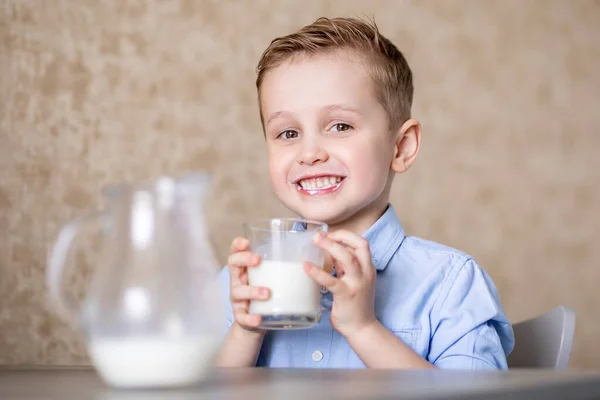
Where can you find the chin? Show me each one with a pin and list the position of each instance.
(328, 213)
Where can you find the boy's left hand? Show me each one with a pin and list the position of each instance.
(354, 287)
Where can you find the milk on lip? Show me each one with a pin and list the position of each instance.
(293, 292)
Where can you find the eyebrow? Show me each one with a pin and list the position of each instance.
(342, 107)
(331, 107)
(275, 115)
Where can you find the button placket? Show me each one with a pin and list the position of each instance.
(318, 349)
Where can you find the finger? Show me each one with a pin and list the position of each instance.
(236, 263)
(243, 259)
(244, 292)
(241, 315)
(333, 284)
(240, 307)
(249, 320)
(339, 268)
(328, 263)
(235, 275)
(357, 245)
(346, 263)
(239, 244)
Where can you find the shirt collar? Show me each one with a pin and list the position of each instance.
(385, 237)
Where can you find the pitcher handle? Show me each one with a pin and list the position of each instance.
(66, 305)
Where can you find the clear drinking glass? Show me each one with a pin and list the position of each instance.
(153, 314)
(284, 245)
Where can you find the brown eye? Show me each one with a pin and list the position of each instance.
(289, 134)
(341, 127)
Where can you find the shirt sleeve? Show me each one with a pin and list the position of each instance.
(469, 327)
(224, 286)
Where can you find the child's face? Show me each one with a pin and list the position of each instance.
(329, 139)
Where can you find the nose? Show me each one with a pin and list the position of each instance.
(312, 152)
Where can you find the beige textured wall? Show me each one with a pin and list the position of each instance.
(508, 91)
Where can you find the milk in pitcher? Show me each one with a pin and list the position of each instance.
(152, 361)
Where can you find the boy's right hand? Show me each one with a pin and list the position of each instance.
(240, 293)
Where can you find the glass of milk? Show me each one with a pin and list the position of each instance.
(284, 245)
(153, 314)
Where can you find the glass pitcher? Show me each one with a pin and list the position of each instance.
(153, 313)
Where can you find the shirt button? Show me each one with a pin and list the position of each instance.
(324, 290)
(317, 355)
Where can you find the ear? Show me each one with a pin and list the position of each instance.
(406, 145)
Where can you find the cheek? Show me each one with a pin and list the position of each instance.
(371, 172)
(278, 170)
(371, 164)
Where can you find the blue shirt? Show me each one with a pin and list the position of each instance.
(434, 298)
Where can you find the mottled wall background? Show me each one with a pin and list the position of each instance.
(95, 92)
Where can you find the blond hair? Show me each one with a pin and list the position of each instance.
(389, 70)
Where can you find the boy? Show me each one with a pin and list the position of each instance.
(335, 101)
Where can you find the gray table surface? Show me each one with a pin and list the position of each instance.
(69, 383)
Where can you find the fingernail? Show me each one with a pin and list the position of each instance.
(264, 292)
(308, 267)
(320, 235)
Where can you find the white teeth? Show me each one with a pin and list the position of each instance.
(320, 183)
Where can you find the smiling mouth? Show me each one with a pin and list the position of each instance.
(320, 185)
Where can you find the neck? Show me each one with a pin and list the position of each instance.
(360, 222)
